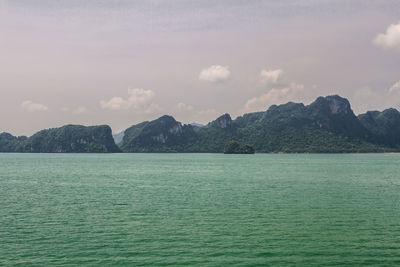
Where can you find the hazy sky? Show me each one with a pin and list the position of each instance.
(122, 62)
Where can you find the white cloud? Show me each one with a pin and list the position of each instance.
(77, 110)
(138, 99)
(395, 89)
(215, 73)
(115, 103)
(390, 39)
(270, 76)
(274, 96)
(30, 106)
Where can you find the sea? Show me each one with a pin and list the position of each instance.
(199, 209)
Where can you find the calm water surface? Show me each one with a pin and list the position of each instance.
(199, 209)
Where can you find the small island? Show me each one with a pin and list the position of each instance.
(234, 147)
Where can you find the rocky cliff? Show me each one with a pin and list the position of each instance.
(66, 139)
(326, 125)
(164, 134)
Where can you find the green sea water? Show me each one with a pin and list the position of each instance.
(199, 209)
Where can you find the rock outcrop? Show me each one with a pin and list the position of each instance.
(66, 139)
(164, 134)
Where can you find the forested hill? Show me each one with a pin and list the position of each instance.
(327, 125)
(69, 138)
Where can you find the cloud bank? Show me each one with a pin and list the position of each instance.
(390, 39)
(138, 99)
(395, 88)
(275, 96)
(215, 73)
(270, 76)
(30, 106)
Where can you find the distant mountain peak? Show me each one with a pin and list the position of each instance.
(166, 118)
(224, 121)
(326, 125)
(338, 104)
(157, 135)
(66, 139)
(334, 104)
(284, 108)
(168, 124)
(391, 111)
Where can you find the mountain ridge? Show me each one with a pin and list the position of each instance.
(327, 125)
(66, 139)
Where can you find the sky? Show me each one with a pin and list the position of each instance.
(121, 62)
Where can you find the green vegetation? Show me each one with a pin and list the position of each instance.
(234, 147)
(328, 125)
(384, 127)
(66, 139)
(164, 134)
(10, 143)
